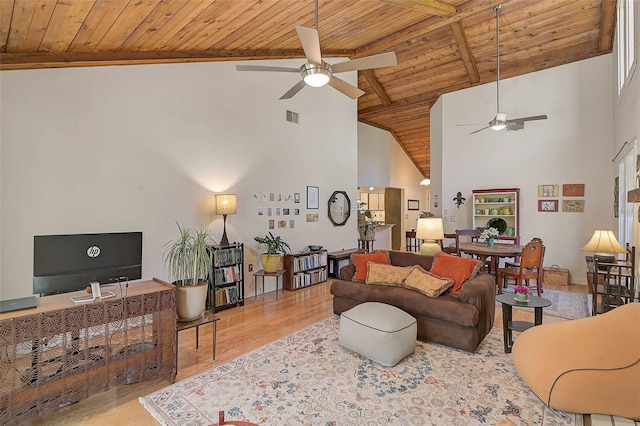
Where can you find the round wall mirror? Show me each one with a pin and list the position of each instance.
(339, 208)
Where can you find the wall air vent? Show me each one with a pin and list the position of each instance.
(292, 116)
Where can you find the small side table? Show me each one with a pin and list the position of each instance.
(279, 276)
(207, 317)
(508, 301)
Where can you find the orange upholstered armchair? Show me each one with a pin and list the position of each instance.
(591, 365)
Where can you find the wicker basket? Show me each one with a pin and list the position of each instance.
(555, 275)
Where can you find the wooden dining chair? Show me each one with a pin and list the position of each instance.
(529, 268)
(445, 245)
(472, 235)
(615, 281)
(466, 235)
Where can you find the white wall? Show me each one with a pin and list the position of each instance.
(382, 162)
(137, 148)
(573, 146)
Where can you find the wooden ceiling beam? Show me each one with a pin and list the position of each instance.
(10, 61)
(607, 26)
(395, 107)
(465, 52)
(422, 28)
(375, 85)
(433, 7)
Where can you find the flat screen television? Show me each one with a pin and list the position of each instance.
(65, 263)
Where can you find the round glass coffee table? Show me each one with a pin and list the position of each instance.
(508, 301)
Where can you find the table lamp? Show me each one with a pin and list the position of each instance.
(603, 241)
(430, 230)
(225, 204)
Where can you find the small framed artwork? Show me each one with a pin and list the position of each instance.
(313, 197)
(296, 197)
(573, 206)
(573, 190)
(413, 204)
(548, 190)
(547, 205)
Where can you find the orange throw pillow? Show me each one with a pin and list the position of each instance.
(360, 261)
(457, 268)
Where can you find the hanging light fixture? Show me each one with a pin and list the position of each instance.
(425, 181)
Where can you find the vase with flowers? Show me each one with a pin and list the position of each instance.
(490, 235)
(522, 293)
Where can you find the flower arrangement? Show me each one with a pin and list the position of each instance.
(490, 233)
(521, 289)
(365, 217)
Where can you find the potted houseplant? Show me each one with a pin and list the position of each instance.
(189, 262)
(276, 248)
(522, 293)
(366, 225)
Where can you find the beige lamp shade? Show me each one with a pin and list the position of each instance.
(226, 204)
(430, 229)
(603, 241)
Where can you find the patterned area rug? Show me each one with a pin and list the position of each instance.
(564, 304)
(307, 378)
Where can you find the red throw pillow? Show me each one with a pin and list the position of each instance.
(459, 269)
(360, 261)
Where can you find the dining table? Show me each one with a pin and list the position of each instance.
(484, 251)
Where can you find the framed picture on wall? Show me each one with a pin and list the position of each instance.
(413, 204)
(313, 197)
(547, 205)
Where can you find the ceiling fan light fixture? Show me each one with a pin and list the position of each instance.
(316, 75)
(496, 124)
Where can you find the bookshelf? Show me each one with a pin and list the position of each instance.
(501, 206)
(227, 282)
(304, 269)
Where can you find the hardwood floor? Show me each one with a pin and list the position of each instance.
(240, 330)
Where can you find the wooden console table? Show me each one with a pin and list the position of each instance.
(335, 257)
(61, 352)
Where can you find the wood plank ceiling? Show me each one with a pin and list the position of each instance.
(441, 45)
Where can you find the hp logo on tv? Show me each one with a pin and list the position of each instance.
(93, 251)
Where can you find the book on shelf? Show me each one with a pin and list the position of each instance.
(304, 279)
(228, 256)
(227, 274)
(310, 261)
(227, 296)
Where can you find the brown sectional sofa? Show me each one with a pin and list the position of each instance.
(460, 322)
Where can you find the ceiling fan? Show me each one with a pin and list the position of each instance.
(500, 121)
(316, 72)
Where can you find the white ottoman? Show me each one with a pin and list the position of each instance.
(381, 332)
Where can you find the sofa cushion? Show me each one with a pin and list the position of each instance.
(360, 262)
(427, 283)
(407, 258)
(378, 273)
(459, 269)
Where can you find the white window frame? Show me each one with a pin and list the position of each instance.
(625, 39)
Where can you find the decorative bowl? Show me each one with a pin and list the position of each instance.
(311, 247)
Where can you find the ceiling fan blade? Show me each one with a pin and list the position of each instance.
(263, 68)
(374, 61)
(346, 88)
(471, 124)
(479, 130)
(295, 89)
(515, 125)
(532, 118)
(310, 44)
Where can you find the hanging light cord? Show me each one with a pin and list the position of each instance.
(497, 9)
